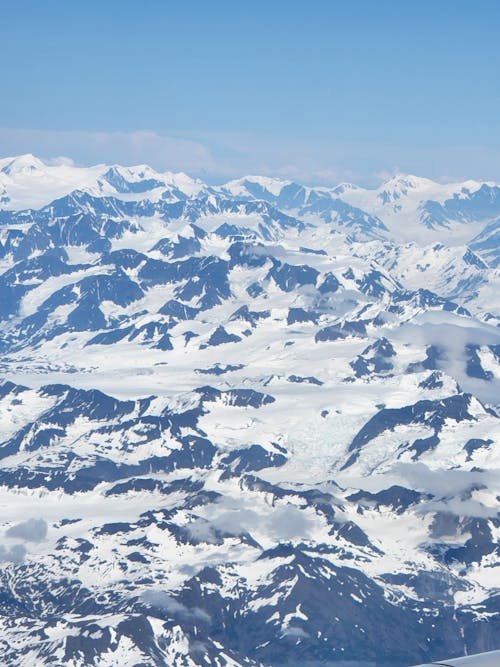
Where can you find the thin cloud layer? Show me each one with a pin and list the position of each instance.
(165, 602)
(161, 152)
(217, 157)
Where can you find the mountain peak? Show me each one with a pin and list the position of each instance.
(402, 181)
(342, 188)
(266, 183)
(22, 164)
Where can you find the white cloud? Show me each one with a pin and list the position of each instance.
(452, 333)
(232, 517)
(15, 554)
(166, 603)
(32, 530)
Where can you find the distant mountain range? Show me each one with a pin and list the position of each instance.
(247, 424)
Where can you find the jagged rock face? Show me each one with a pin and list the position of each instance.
(254, 424)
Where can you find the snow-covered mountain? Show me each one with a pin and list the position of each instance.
(254, 423)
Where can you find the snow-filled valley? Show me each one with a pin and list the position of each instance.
(247, 424)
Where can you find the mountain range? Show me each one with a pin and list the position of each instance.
(246, 424)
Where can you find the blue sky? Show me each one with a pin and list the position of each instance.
(318, 90)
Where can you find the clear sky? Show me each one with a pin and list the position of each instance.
(318, 90)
